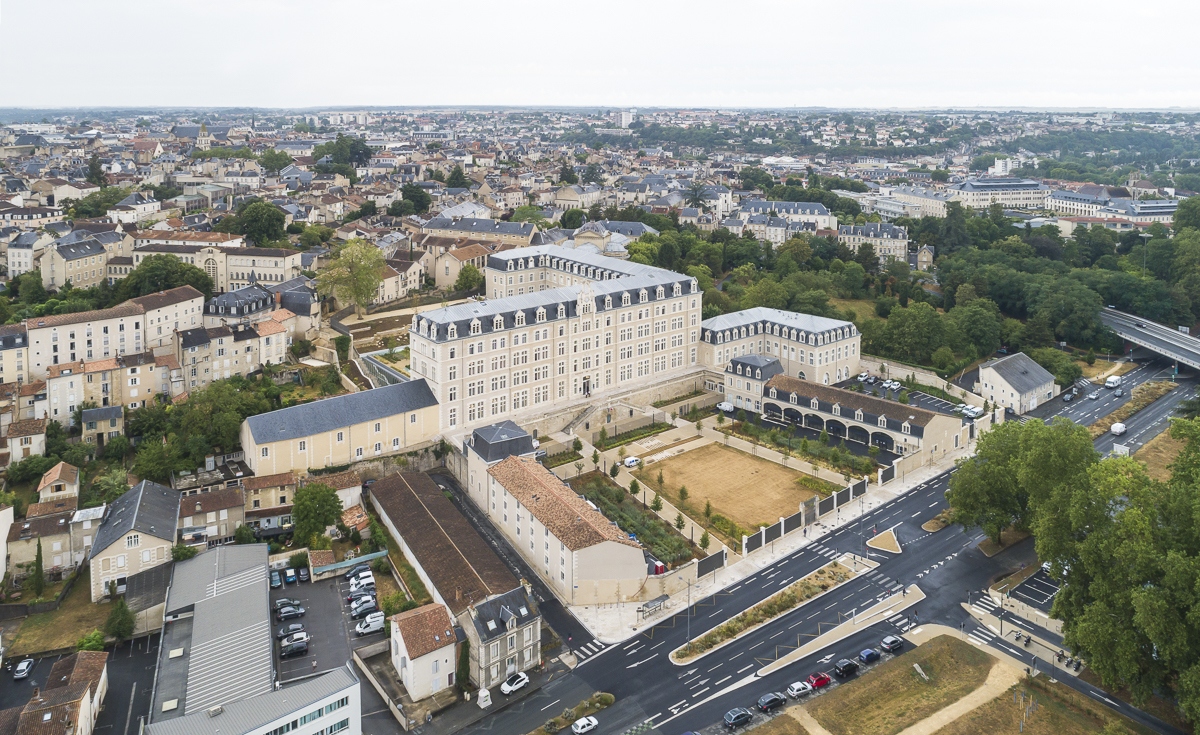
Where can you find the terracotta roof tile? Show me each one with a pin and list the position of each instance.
(50, 507)
(424, 629)
(60, 472)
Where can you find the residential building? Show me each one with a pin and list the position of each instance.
(489, 230)
(25, 438)
(143, 238)
(605, 325)
(60, 481)
(1008, 192)
(932, 203)
(70, 702)
(230, 268)
(168, 312)
(808, 347)
(447, 266)
(504, 636)
(51, 530)
(137, 207)
(924, 258)
(890, 241)
(217, 353)
(855, 416)
(137, 534)
(1075, 204)
(342, 429)
(746, 378)
(83, 336)
(210, 519)
(1141, 212)
(812, 212)
(81, 263)
(1015, 381)
(14, 353)
(267, 502)
(84, 524)
(424, 649)
(218, 613)
(128, 380)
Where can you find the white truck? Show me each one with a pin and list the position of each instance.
(1114, 381)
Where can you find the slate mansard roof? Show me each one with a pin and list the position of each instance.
(761, 319)
(318, 417)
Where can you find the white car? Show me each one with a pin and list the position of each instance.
(862, 376)
(799, 689)
(362, 583)
(513, 683)
(584, 724)
(301, 637)
(632, 461)
(725, 406)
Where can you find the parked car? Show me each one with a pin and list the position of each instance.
(540, 454)
(632, 461)
(358, 595)
(584, 724)
(289, 576)
(284, 602)
(891, 643)
(287, 613)
(863, 376)
(770, 701)
(867, 655)
(301, 637)
(276, 580)
(737, 717)
(290, 629)
(295, 649)
(1068, 397)
(357, 570)
(364, 610)
(514, 682)
(845, 668)
(373, 623)
(799, 689)
(303, 572)
(819, 679)
(725, 406)
(23, 669)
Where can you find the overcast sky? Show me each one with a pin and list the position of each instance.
(702, 53)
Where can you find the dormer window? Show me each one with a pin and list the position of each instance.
(758, 374)
(695, 286)
(659, 293)
(677, 291)
(476, 327)
(562, 311)
(858, 415)
(607, 302)
(905, 428)
(773, 395)
(541, 314)
(792, 398)
(642, 296)
(883, 421)
(453, 331)
(520, 319)
(837, 410)
(813, 404)
(739, 369)
(625, 299)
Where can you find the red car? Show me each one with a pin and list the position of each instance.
(819, 680)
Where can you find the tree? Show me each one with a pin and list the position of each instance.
(596, 459)
(634, 488)
(1091, 356)
(93, 641)
(274, 161)
(117, 448)
(182, 552)
(316, 506)
(95, 172)
(244, 535)
(120, 621)
(469, 278)
(108, 487)
(602, 439)
(457, 179)
(572, 219)
(705, 541)
(344, 150)
(37, 576)
(418, 196)
(695, 194)
(401, 208)
(679, 522)
(614, 470)
(708, 509)
(660, 480)
(657, 504)
(1187, 214)
(593, 174)
(683, 494)
(156, 460)
(161, 273)
(566, 174)
(261, 222)
(355, 274)
(577, 445)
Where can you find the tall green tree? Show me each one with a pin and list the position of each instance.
(120, 621)
(566, 173)
(418, 196)
(457, 179)
(37, 575)
(469, 278)
(316, 507)
(355, 274)
(159, 273)
(95, 172)
(274, 161)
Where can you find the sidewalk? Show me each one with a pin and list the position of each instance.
(464, 714)
(615, 622)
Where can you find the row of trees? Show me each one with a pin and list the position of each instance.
(1125, 547)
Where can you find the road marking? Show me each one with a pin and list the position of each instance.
(551, 705)
(656, 645)
(914, 515)
(719, 683)
(639, 663)
(751, 666)
(702, 691)
(731, 657)
(676, 705)
(934, 505)
(716, 667)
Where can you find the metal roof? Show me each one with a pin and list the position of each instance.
(338, 412)
(806, 323)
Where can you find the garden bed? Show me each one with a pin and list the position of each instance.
(678, 399)
(589, 706)
(824, 579)
(562, 458)
(660, 537)
(837, 458)
(629, 437)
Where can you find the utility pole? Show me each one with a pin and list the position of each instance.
(1145, 246)
(689, 617)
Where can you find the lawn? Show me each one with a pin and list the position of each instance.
(746, 489)
(303, 393)
(892, 696)
(862, 308)
(1158, 454)
(1061, 711)
(1101, 366)
(1008, 537)
(63, 627)
(784, 724)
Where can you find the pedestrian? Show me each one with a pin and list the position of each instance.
(314, 666)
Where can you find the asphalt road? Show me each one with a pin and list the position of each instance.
(1158, 337)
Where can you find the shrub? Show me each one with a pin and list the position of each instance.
(568, 715)
(550, 727)
(342, 343)
(298, 560)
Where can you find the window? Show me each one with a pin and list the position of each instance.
(266, 451)
(133, 540)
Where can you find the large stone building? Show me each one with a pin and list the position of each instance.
(808, 347)
(579, 325)
(1016, 382)
(1007, 192)
(890, 241)
(230, 268)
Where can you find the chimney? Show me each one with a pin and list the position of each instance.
(36, 691)
(458, 594)
(278, 297)
(527, 586)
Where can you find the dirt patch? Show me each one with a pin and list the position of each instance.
(1061, 711)
(892, 696)
(1158, 454)
(1103, 368)
(784, 724)
(1009, 582)
(885, 541)
(744, 488)
(939, 521)
(1008, 537)
(1142, 396)
(63, 627)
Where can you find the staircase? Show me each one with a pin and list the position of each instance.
(583, 416)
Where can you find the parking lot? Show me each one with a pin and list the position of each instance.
(327, 622)
(916, 398)
(1038, 591)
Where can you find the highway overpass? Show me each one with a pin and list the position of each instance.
(1156, 337)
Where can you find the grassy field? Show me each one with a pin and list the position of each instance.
(63, 627)
(862, 308)
(1142, 396)
(1158, 454)
(1061, 711)
(1101, 366)
(892, 696)
(744, 488)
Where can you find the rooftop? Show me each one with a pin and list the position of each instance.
(325, 415)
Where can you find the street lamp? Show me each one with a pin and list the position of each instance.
(1145, 246)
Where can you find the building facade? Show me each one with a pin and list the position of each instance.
(808, 347)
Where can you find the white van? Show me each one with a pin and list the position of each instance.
(373, 623)
(358, 583)
(1114, 381)
(1118, 429)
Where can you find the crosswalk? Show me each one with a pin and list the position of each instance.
(588, 650)
(984, 605)
(902, 622)
(981, 636)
